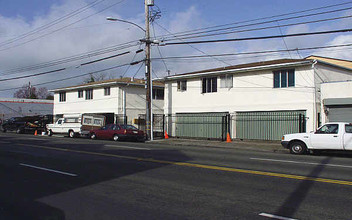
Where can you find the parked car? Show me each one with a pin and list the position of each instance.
(77, 125)
(27, 124)
(331, 136)
(118, 132)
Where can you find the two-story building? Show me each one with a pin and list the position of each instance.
(261, 100)
(119, 100)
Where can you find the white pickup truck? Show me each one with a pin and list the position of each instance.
(76, 125)
(331, 136)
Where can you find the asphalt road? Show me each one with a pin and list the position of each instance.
(63, 178)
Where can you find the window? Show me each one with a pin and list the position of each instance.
(80, 93)
(62, 97)
(328, 129)
(158, 94)
(284, 78)
(348, 128)
(182, 85)
(226, 81)
(107, 91)
(98, 122)
(209, 85)
(71, 120)
(89, 94)
(59, 122)
(87, 121)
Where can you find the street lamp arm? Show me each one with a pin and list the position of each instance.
(116, 19)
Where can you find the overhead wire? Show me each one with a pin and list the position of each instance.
(260, 38)
(52, 23)
(59, 29)
(259, 23)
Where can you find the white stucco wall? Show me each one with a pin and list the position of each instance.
(252, 91)
(334, 90)
(135, 102)
(99, 103)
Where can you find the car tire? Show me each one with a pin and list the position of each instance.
(116, 137)
(4, 130)
(50, 133)
(298, 147)
(93, 136)
(71, 134)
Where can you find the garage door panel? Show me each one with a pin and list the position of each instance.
(340, 114)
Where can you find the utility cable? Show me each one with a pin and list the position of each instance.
(261, 21)
(260, 38)
(44, 35)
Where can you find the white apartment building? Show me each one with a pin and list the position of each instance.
(261, 100)
(114, 98)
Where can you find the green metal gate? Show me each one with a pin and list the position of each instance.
(202, 125)
(271, 125)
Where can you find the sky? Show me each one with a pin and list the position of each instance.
(52, 39)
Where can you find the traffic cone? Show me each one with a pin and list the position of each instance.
(36, 133)
(228, 138)
(166, 136)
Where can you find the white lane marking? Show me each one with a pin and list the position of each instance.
(127, 147)
(275, 216)
(290, 161)
(46, 169)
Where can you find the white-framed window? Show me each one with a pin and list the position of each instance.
(182, 85)
(80, 93)
(226, 81)
(106, 91)
(209, 85)
(62, 97)
(89, 94)
(158, 94)
(284, 78)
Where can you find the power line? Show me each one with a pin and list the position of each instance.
(41, 36)
(71, 58)
(268, 27)
(52, 23)
(259, 38)
(192, 32)
(255, 52)
(59, 70)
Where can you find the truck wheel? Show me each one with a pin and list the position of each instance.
(50, 133)
(93, 136)
(71, 134)
(298, 147)
(116, 137)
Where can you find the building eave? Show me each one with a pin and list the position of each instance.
(239, 70)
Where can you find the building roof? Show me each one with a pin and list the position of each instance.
(271, 64)
(338, 62)
(110, 82)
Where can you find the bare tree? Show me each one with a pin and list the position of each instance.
(31, 92)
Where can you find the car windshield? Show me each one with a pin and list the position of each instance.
(128, 127)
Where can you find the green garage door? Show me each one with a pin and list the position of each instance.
(270, 125)
(200, 125)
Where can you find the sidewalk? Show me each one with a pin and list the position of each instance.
(256, 145)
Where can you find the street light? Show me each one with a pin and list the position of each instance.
(149, 86)
(121, 20)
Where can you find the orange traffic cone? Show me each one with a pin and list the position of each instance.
(36, 133)
(166, 136)
(228, 138)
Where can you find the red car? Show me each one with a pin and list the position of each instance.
(117, 132)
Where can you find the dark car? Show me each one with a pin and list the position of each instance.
(117, 132)
(26, 124)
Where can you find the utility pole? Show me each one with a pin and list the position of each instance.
(149, 87)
